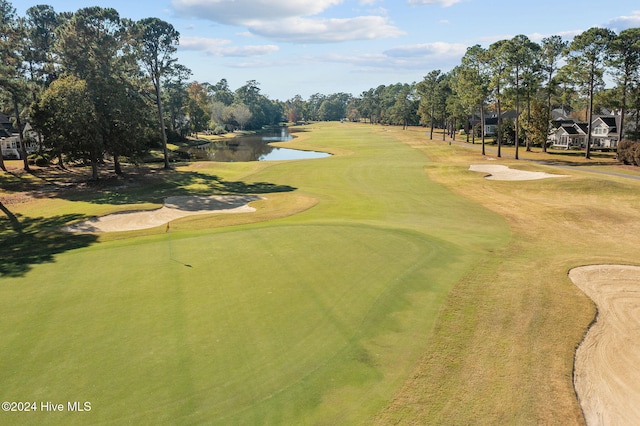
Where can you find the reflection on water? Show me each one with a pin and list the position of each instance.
(252, 148)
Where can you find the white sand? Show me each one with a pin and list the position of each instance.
(607, 372)
(174, 208)
(499, 172)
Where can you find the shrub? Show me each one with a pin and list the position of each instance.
(40, 160)
(628, 152)
(635, 153)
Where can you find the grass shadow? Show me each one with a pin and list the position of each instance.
(29, 241)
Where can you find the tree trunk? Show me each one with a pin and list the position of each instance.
(482, 127)
(433, 113)
(15, 223)
(116, 165)
(2, 165)
(23, 150)
(94, 168)
(517, 123)
(587, 154)
(60, 161)
(163, 134)
(623, 110)
(499, 132)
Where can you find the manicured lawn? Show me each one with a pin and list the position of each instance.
(314, 309)
(387, 284)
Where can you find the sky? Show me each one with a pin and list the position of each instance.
(303, 47)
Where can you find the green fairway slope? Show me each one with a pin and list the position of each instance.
(314, 318)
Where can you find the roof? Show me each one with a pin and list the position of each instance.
(610, 121)
(574, 129)
(559, 114)
(559, 123)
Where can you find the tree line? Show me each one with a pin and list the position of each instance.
(512, 74)
(94, 84)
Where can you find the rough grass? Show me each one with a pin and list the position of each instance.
(313, 310)
(503, 348)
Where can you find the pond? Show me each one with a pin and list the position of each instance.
(252, 148)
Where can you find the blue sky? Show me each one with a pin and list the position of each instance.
(327, 46)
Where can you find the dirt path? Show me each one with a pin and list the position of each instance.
(606, 374)
(174, 208)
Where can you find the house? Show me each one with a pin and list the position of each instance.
(491, 121)
(604, 132)
(568, 134)
(10, 139)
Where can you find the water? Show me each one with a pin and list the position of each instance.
(252, 148)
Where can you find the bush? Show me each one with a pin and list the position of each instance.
(220, 130)
(629, 152)
(635, 153)
(40, 160)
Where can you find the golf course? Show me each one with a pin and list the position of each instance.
(385, 284)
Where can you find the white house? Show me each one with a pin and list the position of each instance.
(568, 134)
(604, 132)
(10, 142)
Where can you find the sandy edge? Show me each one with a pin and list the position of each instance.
(606, 376)
(174, 208)
(500, 172)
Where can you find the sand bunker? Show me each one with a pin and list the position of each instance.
(498, 172)
(174, 208)
(606, 374)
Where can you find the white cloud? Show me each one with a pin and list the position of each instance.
(428, 49)
(222, 47)
(418, 57)
(240, 11)
(317, 30)
(567, 35)
(290, 20)
(622, 23)
(443, 3)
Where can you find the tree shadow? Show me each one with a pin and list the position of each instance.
(29, 241)
(577, 158)
(154, 186)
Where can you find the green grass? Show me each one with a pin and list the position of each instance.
(387, 284)
(314, 317)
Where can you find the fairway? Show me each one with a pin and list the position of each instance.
(317, 317)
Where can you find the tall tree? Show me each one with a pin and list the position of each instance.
(12, 72)
(498, 61)
(175, 90)
(67, 118)
(157, 45)
(41, 23)
(552, 50)
(625, 61)
(586, 56)
(405, 108)
(90, 44)
(472, 85)
(538, 126)
(222, 93)
(430, 98)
